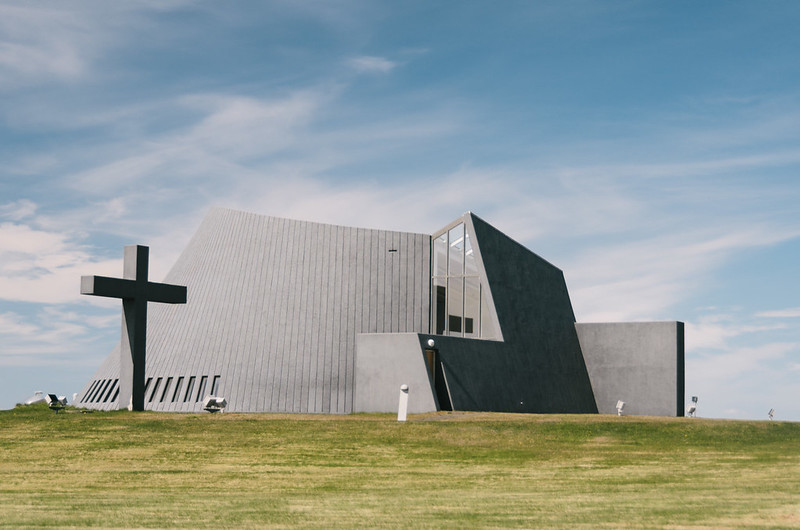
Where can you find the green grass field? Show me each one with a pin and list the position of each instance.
(124, 469)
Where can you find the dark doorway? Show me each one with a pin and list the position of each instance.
(436, 371)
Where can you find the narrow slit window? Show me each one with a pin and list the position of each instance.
(88, 392)
(201, 387)
(189, 388)
(92, 390)
(111, 390)
(155, 390)
(166, 389)
(147, 384)
(177, 392)
(116, 395)
(215, 385)
(98, 392)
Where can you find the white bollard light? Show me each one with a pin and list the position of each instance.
(402, 407)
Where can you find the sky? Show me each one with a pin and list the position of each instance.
(651, 150)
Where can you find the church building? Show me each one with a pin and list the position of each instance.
(294, 316)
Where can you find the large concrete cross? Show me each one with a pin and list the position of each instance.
(135, 291)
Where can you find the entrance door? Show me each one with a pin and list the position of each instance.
(437, 374)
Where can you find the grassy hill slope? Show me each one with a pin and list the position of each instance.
(122, 469)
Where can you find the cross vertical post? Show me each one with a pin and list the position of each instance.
(135, 291)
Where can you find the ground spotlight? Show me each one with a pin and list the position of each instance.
(214, 403)
(56, 403)
(692, 409)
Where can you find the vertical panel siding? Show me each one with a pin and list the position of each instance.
(274, 306)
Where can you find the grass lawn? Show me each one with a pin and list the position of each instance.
(122, 469)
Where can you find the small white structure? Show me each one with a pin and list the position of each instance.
(771, 414)
(620, 406)
(37, 397)
(214, 403)
(402, 407)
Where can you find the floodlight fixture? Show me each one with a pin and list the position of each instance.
(771, 413)
(431, 343)
(692, 409)
(214, 403)
(620, 406)
(56, 403)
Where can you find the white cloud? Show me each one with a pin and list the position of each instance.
(40, 41)
(56, 335)
(18, 210)
(640, 278)
(238, 127)
(740, 361)
(50, 41)
(713, 332)
(44, 267)
(371, 64)
(793, 312)
(16, 324)
(212, 151)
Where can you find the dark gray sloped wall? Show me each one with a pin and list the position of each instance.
(274, 306)
(539, 366)
(640, 363)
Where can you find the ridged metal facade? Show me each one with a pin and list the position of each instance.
(274, 306)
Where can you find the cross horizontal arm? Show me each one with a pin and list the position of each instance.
(166, 293)
(122, 288)
(110, 287)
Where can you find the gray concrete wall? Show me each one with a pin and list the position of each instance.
(384, 362)
(640, 363)
(274, 307)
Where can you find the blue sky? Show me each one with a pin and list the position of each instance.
(651, 150)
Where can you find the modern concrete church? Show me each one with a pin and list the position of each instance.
(296, 316)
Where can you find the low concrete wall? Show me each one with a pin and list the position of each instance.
(640, 363)
(384, 361)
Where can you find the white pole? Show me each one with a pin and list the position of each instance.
(402, 408)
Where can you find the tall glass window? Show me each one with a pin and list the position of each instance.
(440, 256)
(472, 306)
(456, 238)
(470, 265)
(439, 304)
(455, 305)
(458, 303)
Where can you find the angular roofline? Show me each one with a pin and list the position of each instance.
(292, 219)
